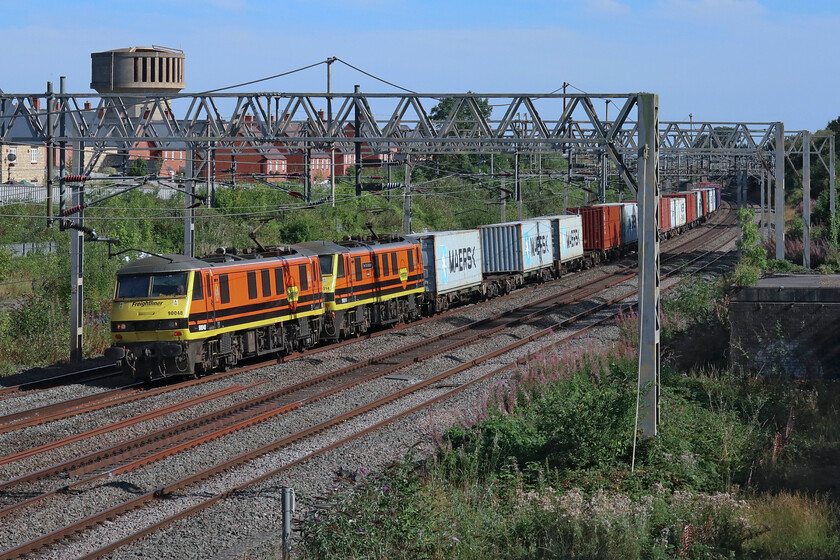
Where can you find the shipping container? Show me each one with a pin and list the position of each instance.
(601, 226)
(708, 198)
(710, 185)
(690, 203)
(451, 259)
(516, 246)
(566, 237)
(629, 222)
(667, 216)
(679, 212)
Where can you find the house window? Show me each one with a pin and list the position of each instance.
(12, 151)
(33, 155)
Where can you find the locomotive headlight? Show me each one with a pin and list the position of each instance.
(120, 326)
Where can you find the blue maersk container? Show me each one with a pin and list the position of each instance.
(451, 259)
(566, 236)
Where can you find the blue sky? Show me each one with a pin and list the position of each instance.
(721, 60)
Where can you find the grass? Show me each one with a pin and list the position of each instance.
(794, 526)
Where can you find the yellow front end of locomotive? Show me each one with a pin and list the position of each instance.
(161, 315)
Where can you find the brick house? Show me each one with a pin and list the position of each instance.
(23, 162)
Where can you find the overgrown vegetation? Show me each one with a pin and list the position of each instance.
(541, 467)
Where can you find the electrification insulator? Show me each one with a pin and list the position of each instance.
(73, 209)
(75, 178)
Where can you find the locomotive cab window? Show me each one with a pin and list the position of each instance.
(265, 278)
(224, 288)
(394, 265)
(358, 265)
(198, 292)
(304, 277)
(252, 284)
(340, 267)
(279, 285)
(410, 259)
(326, 263)
(152, 285)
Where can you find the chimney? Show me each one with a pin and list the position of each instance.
(321, 115)
(36, 103)
(87, 105)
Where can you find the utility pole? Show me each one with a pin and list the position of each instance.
(407, 197)
(832, 190)
(62, 156)
(189, 199)
(77, 255)
(780, 191)
(50, 151)
(806, 199)
(648, 196)
(357, 123)
(518, 187)
(307, 179)
(502, 209)
(330, 130)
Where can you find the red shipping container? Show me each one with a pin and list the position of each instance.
(690, 204)
(601, 226)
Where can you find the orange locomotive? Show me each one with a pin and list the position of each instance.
(371, 283)
(176, 315)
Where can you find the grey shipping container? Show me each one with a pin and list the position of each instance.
(566, 236)
(516, 246)
(451, 259)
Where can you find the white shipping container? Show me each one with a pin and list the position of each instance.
(451, 259)
(679, 214)
(566, 236)
(516, 246)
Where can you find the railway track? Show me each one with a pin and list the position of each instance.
(352, 376)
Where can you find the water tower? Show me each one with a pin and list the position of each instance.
(138, 70)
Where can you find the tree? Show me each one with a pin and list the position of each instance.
(138, 167)
(466, 124)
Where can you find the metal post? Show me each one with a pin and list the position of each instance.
(502, 204)
(288, 508)
(780, 191)
(62, 155)
(832, 192)
(806, 199)
(761, 180)
(518, 187)
(648, 196)
(602, 180)
(189, 213)
(357, 124)
(330, 130)
(77, 262)
(50, 151)
(307, 178)
(407, 197)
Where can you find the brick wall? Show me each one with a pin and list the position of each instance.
(785, 338)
